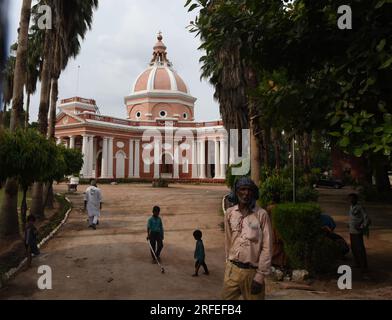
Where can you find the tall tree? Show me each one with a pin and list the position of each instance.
(8, 210)
(71, 21)
(8, 87)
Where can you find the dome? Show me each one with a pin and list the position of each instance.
(160, 75)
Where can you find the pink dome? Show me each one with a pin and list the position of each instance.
(160, 75)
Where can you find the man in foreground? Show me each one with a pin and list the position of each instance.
(248, 245)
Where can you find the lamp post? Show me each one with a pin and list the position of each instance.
(293, 156)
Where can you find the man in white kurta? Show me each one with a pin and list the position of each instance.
(93, 204)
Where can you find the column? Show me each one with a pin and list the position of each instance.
(176, 161)
(131, 160)
(217, 162)
(223, 158)
(110, 158)
(85, 156)
(194, 160)
(157, 157)
(90, 156)
(202, 159)
(104, 166)
(58, 141)
(137, 159)
(72, 142)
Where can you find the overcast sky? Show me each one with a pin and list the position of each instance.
(119, 47)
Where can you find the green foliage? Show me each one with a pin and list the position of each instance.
(305, 245)
(310, 74)
(30, 157)
(277, 187)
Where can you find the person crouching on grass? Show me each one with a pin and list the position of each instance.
(155, 233)
(199, 254)
(31, 242)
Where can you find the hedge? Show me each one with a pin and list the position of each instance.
(306, 247)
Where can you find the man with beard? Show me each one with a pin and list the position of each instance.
(248, 244)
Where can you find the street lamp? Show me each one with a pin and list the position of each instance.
(293, 156)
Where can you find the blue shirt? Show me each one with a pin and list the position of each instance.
(154, 224)
(327, 221)
(199, 251)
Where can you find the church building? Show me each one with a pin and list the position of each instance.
(159, 138)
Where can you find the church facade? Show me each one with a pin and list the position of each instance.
(159, 138)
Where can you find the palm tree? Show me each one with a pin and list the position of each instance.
(33, 69)
(232, 78)
(8, 86)
(8, 210)
(72, 20)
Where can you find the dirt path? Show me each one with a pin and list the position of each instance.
(113, 262)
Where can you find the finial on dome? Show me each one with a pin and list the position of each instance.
(160, 54)
(160, 37)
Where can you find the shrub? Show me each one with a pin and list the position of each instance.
(306, 194)
(275, 187)
(280, 187)
(299, 226)
(160, 183)
(325, 254)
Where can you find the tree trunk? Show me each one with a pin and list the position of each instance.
(45, 84)
(20, 65)
(53, 106)
(49, 195)
(265, 147)
(306, 141)
(276, 140)
(4, 113)
(23, 210)
(255, 164)
(9, 209)
(37, 206)
(27, 111)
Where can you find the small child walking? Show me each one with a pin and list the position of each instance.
(155, 233)
(31, 235)
(199, 254)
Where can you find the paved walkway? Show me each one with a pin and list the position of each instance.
(113, 262)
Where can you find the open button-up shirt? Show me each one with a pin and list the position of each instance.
(248, 239)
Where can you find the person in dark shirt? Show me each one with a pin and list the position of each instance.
(155, 233)
(199, 254)
(31, 235)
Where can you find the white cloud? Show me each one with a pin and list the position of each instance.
(119, 47)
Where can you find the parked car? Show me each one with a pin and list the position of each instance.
(329, 182)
